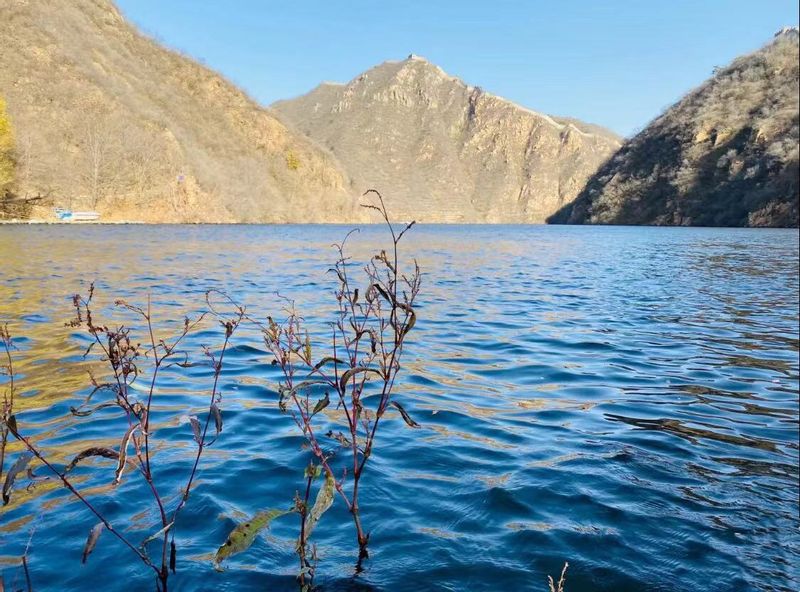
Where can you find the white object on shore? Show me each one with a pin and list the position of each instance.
(70, 216)
(84, 216)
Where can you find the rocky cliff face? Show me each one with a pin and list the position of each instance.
(106, 118)
(725, 155)
(444, 151)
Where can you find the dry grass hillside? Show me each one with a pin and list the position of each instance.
(106, 118)
(7, 164)
(446, 151)
(725, 155)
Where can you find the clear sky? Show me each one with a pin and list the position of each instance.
(617, 63)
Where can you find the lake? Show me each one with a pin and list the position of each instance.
(624, 399)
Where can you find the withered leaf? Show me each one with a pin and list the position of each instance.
(196, 429)
(91, 541)
(244, 534)
(77, 412)
(215, 411)
(123, 453)
(406, 416)
(352, 372)
(15, 469)
(321, 404)
(412, 320)
(326, 360)
(308, 348)
(339, 437)
(155, 535)
(381, 291)
(373, 341)
(339, 273)
(304, 385)
(173, 553)
(312, 471)
(104, 452)
(321, 504)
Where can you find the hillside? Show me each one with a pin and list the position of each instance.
(724, 155)
(106, 118)
(7, 164)
(446, 151)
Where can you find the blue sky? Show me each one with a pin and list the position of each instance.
(617, 64)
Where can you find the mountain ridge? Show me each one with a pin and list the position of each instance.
(458, 144)
(726, 154)
(556, 120)
(103, 117)
(106, 118)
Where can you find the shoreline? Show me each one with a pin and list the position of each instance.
(86, 222)
(39, 221)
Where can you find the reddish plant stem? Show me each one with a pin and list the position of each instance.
(33, 450)
(302, 543)
(121, 354)
(27, 573)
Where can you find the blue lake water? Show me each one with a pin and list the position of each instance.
(624, 399)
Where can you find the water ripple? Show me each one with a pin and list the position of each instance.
(624, 399)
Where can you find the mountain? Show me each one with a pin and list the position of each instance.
(106, 118)
(724, 155)
(7, 160)
(444, 151)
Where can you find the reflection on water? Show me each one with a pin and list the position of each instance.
(625, 399)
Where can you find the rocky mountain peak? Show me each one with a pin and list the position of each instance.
(789, 32)
(414, 71)
(447, 151)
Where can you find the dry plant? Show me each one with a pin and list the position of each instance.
(7, 409)
(7, 424)
(127, 360)
(560, 586)
(367, 341)
(356, 373)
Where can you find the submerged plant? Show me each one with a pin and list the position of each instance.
(125, 358)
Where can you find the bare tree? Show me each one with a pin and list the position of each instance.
(25, 160)
(101, 148)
